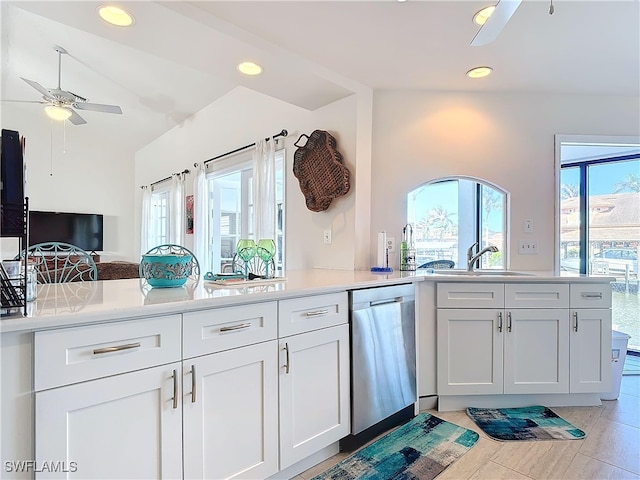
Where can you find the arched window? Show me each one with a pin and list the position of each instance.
(451, 214)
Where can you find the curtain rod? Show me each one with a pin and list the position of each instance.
(283, 133)
(184, 172)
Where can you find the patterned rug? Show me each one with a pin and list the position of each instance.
(419, 449)
(524, 423)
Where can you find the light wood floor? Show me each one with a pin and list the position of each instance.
(611, 449)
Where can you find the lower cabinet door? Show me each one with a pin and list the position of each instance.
(470, 351)
(121, 427)
(314, 392)
(590, 347)
(230, 404)
(536, 350)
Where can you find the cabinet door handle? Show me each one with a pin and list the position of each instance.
(592, 295)
(575, 321)
(317, 313)
(286, 366)
(116, 348)
(175, 389)
(508, 321)
(231, 328)
(193, 384)
(500, 322)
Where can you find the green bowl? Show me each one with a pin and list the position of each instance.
(168, 270)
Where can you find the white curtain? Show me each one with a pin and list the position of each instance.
(176, 209)
(264, 189)
(146, 222)
(201, 247)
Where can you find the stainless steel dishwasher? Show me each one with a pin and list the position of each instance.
(383, 354)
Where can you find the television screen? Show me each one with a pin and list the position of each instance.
(11, 184)
(83, 230)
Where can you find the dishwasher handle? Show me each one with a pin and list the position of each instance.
(386, 301)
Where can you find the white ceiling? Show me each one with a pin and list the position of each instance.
(181, 56)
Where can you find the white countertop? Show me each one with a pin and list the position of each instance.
(68, 304)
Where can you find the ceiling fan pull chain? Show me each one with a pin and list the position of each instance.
(64, 137)
(51, 147)
(551, 9)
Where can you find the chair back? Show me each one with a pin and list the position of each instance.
(438, 264)
(59, 262)
(255, 266)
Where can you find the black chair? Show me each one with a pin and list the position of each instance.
(438, 264)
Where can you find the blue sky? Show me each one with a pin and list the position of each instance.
(603, 177)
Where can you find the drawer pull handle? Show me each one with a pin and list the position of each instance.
(175, 389)
(500, 322)
(575, 321)
(592, 295)
(193, 384)
(317, 313)
(232, 328)
(117, 348)
(508, 321)
(286, 366)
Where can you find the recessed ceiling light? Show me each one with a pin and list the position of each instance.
(250, 68)
(115, 15)
(483, 15)
(55, 112)
(479, 72)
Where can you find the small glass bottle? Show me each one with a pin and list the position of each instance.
(32, 283)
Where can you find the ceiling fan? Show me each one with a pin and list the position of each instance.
(496, 22)
(60, 104)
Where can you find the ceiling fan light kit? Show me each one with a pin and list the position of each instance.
(115, 15)
(481, 17)
(479, 72)
(55, 112)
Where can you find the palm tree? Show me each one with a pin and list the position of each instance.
(440, 219)
(569, 191)
(630, 182)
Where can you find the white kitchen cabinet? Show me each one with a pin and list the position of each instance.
(124, 426)
(536, 350)
(502, 350)
(230, 405)
(535, 345)
(470, 346)
(314, 392)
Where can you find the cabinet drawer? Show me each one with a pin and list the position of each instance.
(220, 329)
(299, 315)
(590, 295)
(76, 354)
(536, 295)
(470, 295)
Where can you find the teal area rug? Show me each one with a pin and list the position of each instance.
(420, 449)
(524, 423)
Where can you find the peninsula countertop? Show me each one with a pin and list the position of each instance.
(79, 303)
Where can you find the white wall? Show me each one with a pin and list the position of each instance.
(242, 117)
(507, 139)
(75, 169)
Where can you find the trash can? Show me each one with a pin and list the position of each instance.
(619, 343)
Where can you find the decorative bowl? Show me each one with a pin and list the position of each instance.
(169, 270)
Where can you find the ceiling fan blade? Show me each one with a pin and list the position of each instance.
(25, 101)
(76, 119)
(496, 22)
(39, 88)
(97, 107)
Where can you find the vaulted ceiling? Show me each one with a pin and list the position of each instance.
(181, 56)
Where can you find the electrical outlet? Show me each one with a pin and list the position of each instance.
(528, 246)
(327, 237)
(391, 244)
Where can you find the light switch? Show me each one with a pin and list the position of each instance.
(528, 226)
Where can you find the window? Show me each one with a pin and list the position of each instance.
(599, 219)
(160, 217)
(230, 185)
(449, 215)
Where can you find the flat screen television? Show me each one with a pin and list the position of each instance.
(84, 230)
(11, 184)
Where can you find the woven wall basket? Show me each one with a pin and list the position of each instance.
(320, 170)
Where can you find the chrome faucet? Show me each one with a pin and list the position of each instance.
(472, 257)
